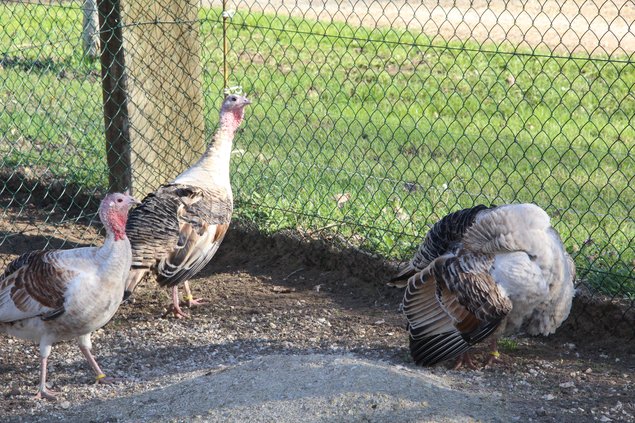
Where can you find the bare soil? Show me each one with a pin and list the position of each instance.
(299, 329)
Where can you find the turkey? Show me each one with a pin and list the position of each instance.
(485, 272)
(56, 295)
(177, 229)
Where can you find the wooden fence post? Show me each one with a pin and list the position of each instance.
(167, 126)
(90, 29)
(113, 73)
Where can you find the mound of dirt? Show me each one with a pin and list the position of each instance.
(294, 388)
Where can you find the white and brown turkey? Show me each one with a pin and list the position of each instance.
(56, 295)
(178, 228)
(485, 272)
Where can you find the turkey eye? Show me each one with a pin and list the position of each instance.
(232, 98)
(119, 200)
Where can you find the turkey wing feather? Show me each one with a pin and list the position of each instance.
(177, 230)
(34, 285)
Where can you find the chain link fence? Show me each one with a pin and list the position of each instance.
(371, 119)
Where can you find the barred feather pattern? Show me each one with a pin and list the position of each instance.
(482, 271)
(444, 236)
(35, 283)
(177, 230)
(460, 307)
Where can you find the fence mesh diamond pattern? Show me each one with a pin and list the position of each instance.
(371, 119)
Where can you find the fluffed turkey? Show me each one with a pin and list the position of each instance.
(177, 229)
(56, 295)
(484, 272)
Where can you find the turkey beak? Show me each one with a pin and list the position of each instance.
(246, 101)
(134, 201)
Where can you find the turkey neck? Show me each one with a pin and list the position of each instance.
(212, 169)
(115, 223)
(115, 255)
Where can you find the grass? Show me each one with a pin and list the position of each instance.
(410, 129)
(507, 345)
(50, 96)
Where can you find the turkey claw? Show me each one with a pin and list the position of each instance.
(195, 302)
(45, 394)
(176, 312)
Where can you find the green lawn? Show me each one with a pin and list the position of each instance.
(50, 97)
(410, 129)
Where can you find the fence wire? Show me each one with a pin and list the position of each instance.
(371, 119)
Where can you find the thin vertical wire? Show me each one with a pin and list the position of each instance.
(225, 48)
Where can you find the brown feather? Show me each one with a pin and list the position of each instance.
(176, 231)
(221, 230)
(39, 279)
(400, 280)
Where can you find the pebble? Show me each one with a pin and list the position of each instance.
(618, 407)
(323, 321)
(65, 405)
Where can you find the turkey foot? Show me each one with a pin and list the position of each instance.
(174, 308)
(107, 380)
(176, 311)
(465, 359)
(43, 391)
(493, 358)
(494, 355)
(45, 394)
(194, 302)
(191, 302)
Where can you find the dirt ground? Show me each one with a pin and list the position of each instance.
(593, 26)
(296, 329)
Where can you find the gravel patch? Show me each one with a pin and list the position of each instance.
(292, 388)
(294, 332)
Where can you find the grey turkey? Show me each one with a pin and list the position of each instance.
(177, 229)
(481, 273)
(57, 295)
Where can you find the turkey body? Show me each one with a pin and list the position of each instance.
(484, 272)
(79, 291)
(177, 229)
(57, 295)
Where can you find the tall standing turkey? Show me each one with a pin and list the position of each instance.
(50, 296)
(177, 229)
(484, 272)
